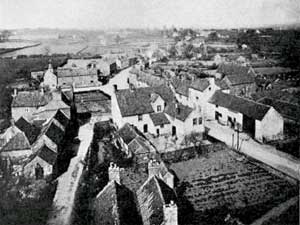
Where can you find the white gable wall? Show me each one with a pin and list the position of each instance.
(29, 169)
(270, 127)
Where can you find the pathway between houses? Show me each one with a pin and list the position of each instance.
(68, 183)
(261, 152)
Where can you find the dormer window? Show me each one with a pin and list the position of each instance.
(140, 117)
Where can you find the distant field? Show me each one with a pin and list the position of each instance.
(47, 47)
(221, 182)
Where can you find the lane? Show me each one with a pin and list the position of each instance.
(261, 152)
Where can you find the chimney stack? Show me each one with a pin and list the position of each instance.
(171, 214)
(115, 87)
(114, 173)
(15, 93)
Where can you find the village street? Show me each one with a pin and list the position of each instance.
(261, 152)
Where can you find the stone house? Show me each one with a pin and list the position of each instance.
(260, 121)
(183, 119)
(50, 79)
(96, 104)
(135, 106)
(26, 103)
(41, 164)
(240, 80)
(68, 77)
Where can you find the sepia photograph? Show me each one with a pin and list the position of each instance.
(149, 112)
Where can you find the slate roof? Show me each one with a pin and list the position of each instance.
(54, 133)
(151, 197)
(31, 131)
(30, 99)
(75, 72)
(159, 119)
(247, 107)
(115, 205)
(240, 79)
(16, 143)
(138, 101)
(286, 109)
(181, 113)
(47, 155)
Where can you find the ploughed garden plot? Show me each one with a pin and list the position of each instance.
(221, 181)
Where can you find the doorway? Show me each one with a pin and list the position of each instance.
(173, 131)
(39, 172)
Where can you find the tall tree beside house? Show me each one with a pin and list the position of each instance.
(173, 51)
(188, 51)
(4, 35)
(118, 39)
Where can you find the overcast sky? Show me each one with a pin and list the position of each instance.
(146, 13)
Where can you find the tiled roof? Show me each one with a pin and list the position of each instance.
(62, 118)
(240, 79)
(181, 112)
(128, 133)
(47, 155)
(247, 107)
(286, 109)
(94, 101)
(138, 101)
(31, 131)
(199, 84)
(222, 84)
(139, 145)
(273, 70)
(54, 133)
(30, 99)
(115, 205)
(86, 107)
(18, 142)
(151, 197)
(181, 86)
(149, 79)
(159, 119)
(91, 96)
(75, 72)
(232, 69)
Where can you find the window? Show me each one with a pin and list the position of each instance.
(194, 121)
(209, 88)
(92, 81)
(140, 117)
(145, 128)
(162, 126)
(200, 120)
(158, 108)
(197, 98)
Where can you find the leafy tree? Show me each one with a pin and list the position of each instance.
(4, 35)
